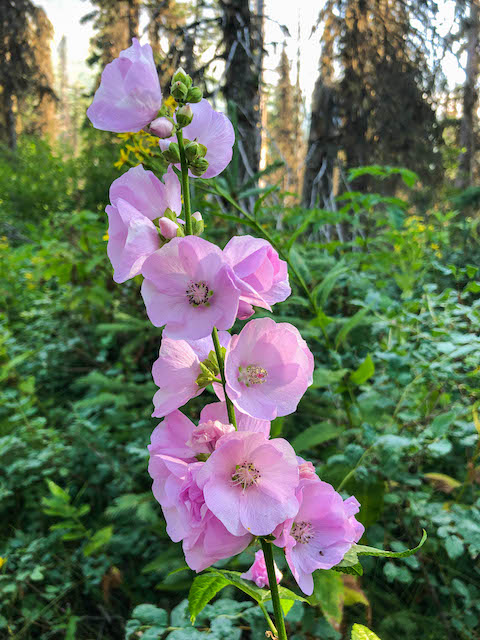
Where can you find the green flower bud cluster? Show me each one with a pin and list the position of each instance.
(182, 89)
(209, 370)
(194, 153)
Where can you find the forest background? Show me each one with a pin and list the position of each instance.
(368, 188)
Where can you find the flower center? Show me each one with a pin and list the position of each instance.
(246, 475)
(302, 532)
(253, 374)
(199, 293)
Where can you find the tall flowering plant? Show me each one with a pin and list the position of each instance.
(223, 483)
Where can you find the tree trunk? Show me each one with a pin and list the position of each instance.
(321, 148)
(242, 82)
(470, 99)
(10, 119)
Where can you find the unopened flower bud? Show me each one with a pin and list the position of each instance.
(197, 223)
(179, 91)
(195, 94)
(195, 150)
(161, 127)
(198, 167)
(168, 228)
(172, 154)
(184, 115)
(181, 76)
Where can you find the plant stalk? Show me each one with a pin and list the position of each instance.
(272, 581)
(221, 366)
(185, 185)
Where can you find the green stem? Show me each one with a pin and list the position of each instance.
(273, 628)
(272, 582)
(221, 366)
(185, 185)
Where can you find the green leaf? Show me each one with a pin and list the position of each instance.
(315, 435)
(328, 595)
(349, 564)
(362, 550)
(235, 578)
(359, 632)
(454, 547)
(441, 424)
(203, 589)
(99, 539)
(323, 290)
(323, 377)
(364, 371)
(57, 491)
(150, 614)
(353, 322)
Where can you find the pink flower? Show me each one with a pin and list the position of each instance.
(205, 436)
(218, 411)
(137, 198)
(177, 369)
(249, 482)
(261, 272)
(205, 539)
(144, 191)
(321, 533)
(212, 129)
(268, 368)
(258, 571)
(129, 94)
(171, 437)
(189, 288)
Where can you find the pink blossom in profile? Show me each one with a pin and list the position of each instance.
(258, 571)
(306, 469)
(218, 411)
(249, 482)
(144, 191)
(263, 277)
(205, 436)
(137, 198)
(129, 94)
(205, 539)
(268, 368)
(176, 370)
(189, 288)
(321, 533)
(132, 237)
(212, 129)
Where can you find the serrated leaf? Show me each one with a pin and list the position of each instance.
(99, 539)
(363, 550)
(364, 371)
(359, 632)
(150, 614)
(203, 589)
(57, 491)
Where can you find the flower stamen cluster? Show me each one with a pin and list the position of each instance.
(245, 475)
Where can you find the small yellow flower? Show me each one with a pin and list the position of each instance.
(2, 562)
(170, 103)
(125, 136)
(421, 228)
(105, 236)
(122, 160)
(434, 246)
(439, 254)
(28, 275)
(396, 248)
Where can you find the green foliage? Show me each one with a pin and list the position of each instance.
(392, 318)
